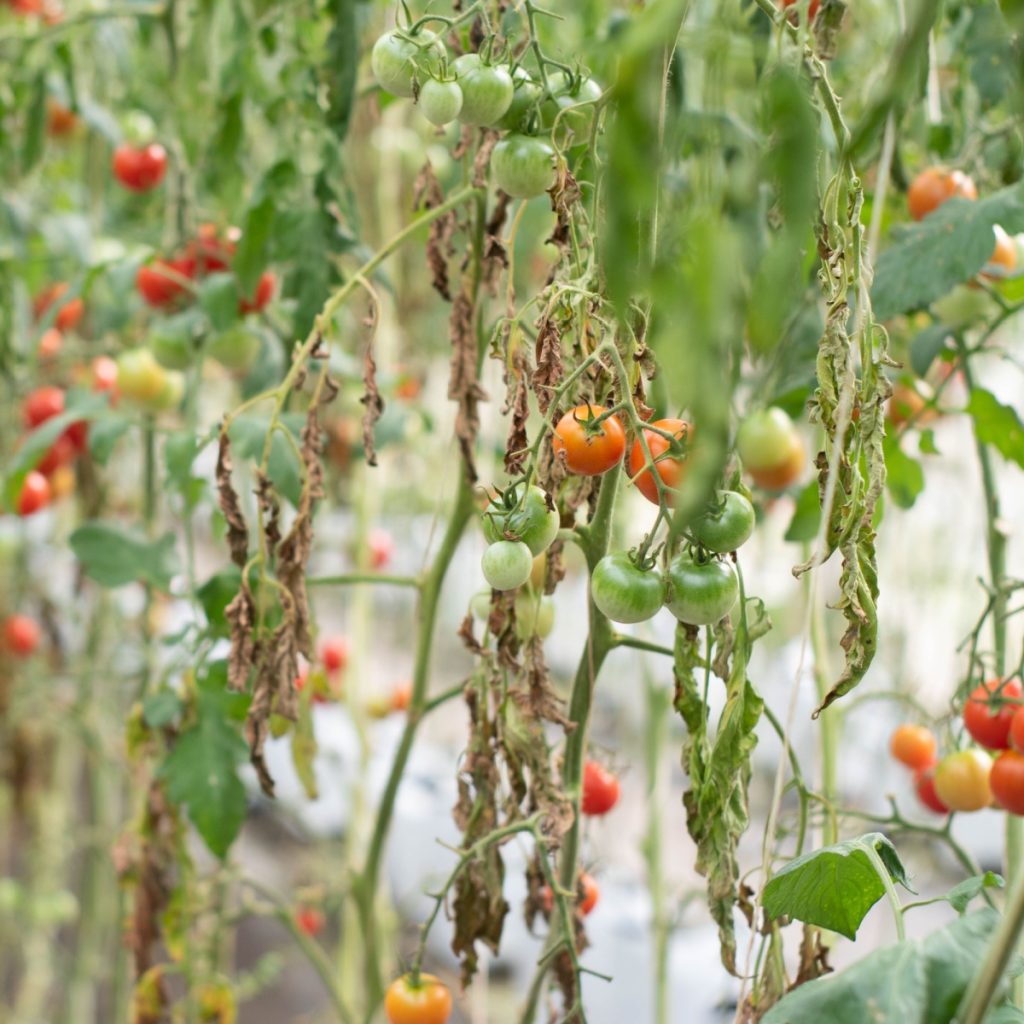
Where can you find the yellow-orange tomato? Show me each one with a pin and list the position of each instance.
(401, 697)
(50, 343)
(588, 450)
(932, 187)
(428, 1002)
(1004, 256)
(962, 780)
(671, 469)
(62, 482)
(914, 746)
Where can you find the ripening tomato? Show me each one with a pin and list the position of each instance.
(162, 283)
(310, 921)
(914, 746)
(334, 652)
(727, 525)
(426, 1001)
(34, 495)
(924, 786)
(62, 483)
(771, 449)
(624, 591)
(532, 522)
(401, 697)
(1007, 781)
(669, 459)
(700, 593)
(140, 169)
(60, 121)
(21, 635)
(962, 780)
(933, 186)
(908, 404)
(600, 789)
(265, 288)
(589, 450)
(989, 712)
(591, 894)
(69, 314)
(1004, 256)
(140, 378)
(60, 453)
(41, 405)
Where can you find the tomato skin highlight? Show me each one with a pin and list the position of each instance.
(35, 494)
(429, 1002)
(523, 166)
(623, 592)
(924, 786)
(989, 711)
(962, 780)
(600, 789)
(589, 453)
(21, 635)
(726, 526)
(933, 186)
(914, 746)
(1007, 781)
(700, 593)
(140, 169)
(671, 469)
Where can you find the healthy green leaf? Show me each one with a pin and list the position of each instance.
(904, 476)
(248, 435)
(160, 709)
(834, 887)
(806, 515)
(218, 296)
(997, 424)
(215, 595)
(113, 555)
(961, 895)
(926, 346)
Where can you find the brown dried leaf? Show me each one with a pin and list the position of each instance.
(428, 193)
(550, 371)
(238, 532)
(245, 648)
(482, 160)
(373, 403)
(517, 443)
(565, 194)
(271, 510)
(813, 956)
(540, 700)
(463, 384)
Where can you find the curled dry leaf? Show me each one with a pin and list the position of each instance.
(372, 403)
(427, 192)
(238, 532)
(463, 383)
(550, 371)
(245, 646)
(495, 255)
(565, 194)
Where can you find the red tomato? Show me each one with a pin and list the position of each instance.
(914, 746)
(924, 784)
(160, 284)
(35, 494)
(933, 186)
(989, 711)
(140, 169)
(211, 253)
(382, 548)
(589, 451)
(41, 405)
(21, 635)
(1007, 781)
(310, 920)
(264, 293)
(428, 1002)
(671, 469)
(70, 313)
(50, 343)
(600, 789)
(1017, 730)
(334, 653)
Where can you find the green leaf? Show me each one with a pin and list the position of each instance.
(836, 886)
(216, 594)
(926, 443)
(180, 450)
(904, 476)
(341, 65)
(201, 772)
(160, 709)
(961, 895)
(806, 516)
(104, 433)
(945, 249)
(926, 346)
(113, 555)
(251, 257)
(304, 745)
(994, 63)
(997, 424)
(218, 295)
(916, 982)
(35, 124)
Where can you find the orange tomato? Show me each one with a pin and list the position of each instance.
(671, 469)
(426, 1002)
(932, 187)
(70, 313)
(914, 746)
(1004, 256)
(589, 450)
(50, 343)
(908, 405)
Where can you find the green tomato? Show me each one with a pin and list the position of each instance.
(140, 378)
(700, 593)
(727, 525)
(534, 524)
(465, 63)
(397, 62)
(766, 439)
(524, 99)
(563, 98)
(236, 349)
(623, 591)
(440, 102)
(535, 615)
(964, 306)
(487, 93)
(480, 605)
(171, 348)
(506, 564)
(522, 166)
(171, 394)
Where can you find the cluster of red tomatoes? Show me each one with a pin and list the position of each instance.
(970, 780)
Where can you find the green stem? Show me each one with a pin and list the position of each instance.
(890, 890)
(352, 578)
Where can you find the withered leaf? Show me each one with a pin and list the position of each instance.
(372, 402)
(550, 371)
(238, 532)
(428, 193)
(463, 383)
(240, 613)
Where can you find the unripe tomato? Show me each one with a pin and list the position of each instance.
(671, 468)
(914, 746)
(69, 314)
(962, 780)
(335, 653)
(487, 92)
(771, 449)
(396, 62)
(932, 187)
(989, 712)
(21, 635)
(600, 789)
(524, 99)
(727, 525)
(426, 1002)
(523, 166)
(535, 614)
(1004, 256)
(440, 102)
(589, 450)
(533, 522)
(236, 349)
(700, 593)
(625, 592)
(161, 283)
(924, 786)
(506, 564)
(263, 295)
(140, 169)
(41, 405)
(1007, 781)
(171, 345)
(140, 378)
(310, 921)
(34, 495)
(171, 394)
(577, 102)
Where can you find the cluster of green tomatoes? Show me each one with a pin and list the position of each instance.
(699, 586)
(479, 91)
